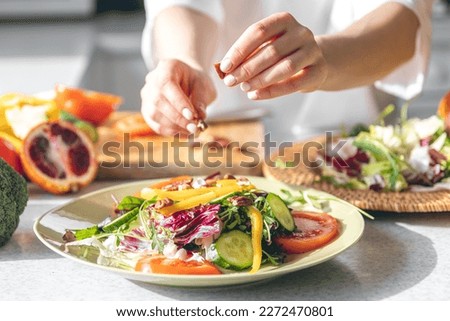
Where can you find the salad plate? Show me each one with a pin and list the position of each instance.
(93, 208)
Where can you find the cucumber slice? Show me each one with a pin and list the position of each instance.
(281, 211)
(233, 250)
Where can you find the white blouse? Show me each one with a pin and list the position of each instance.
(302, 115)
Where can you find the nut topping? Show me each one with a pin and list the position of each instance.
(163, 203)
(240, 201)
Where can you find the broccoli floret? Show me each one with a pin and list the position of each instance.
(13, 199)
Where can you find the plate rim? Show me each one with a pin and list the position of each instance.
(234, 277)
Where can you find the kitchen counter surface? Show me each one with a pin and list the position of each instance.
(399, 257)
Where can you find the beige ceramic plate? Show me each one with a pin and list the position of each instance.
(92, 208)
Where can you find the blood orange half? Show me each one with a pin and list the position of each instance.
(59, 157)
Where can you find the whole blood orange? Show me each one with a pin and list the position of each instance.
(59, 157)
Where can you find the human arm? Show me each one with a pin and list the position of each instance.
(297, 61)
(370, 48)
(184, 41)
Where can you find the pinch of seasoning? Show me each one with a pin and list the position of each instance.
(219, 72)
(201, 125)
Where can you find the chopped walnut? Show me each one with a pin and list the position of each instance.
(69, 236)
(240, 201)
(243, 181)
(214, 176)
(163, 203)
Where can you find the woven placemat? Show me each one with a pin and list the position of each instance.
(303, 175)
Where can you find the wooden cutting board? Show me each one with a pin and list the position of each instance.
(122, 157)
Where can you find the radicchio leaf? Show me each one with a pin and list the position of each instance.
(134, 242)
(198, 222)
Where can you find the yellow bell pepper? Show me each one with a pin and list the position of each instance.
(203, 198)
(187, 193)
(226, 182)
(183, 194)
(188, 203)
(257, 229)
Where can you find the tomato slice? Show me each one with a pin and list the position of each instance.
(163, 265)
(313, 230)
(94, 107)
(174, 180)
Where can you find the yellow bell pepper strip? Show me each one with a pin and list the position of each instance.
(226, 182)
(187, 193)
(230, 182)
(188, 203)
(257, 229)
(204, 198)
(184, 194)
(222, 185)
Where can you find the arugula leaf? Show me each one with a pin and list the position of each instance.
(86, 232)
(129, 203)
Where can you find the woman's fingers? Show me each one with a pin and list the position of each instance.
(306, 80)
(162, 123)
(275, 57)
(269, 55)
(202, 94)
(178, 92)
(164, 118)
(253, 37)
(180, 109)
(283, 69)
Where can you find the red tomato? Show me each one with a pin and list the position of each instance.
(94, 107)
(313, 231)
(10, 155)
(163, 265)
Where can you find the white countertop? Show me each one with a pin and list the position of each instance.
(399, 257)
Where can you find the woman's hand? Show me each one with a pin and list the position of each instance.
(274, 57)
(175, 96)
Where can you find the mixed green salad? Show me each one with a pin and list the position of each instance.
(390, 157)
(212, 225)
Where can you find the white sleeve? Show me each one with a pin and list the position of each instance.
(407, 80)
(212, 8)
